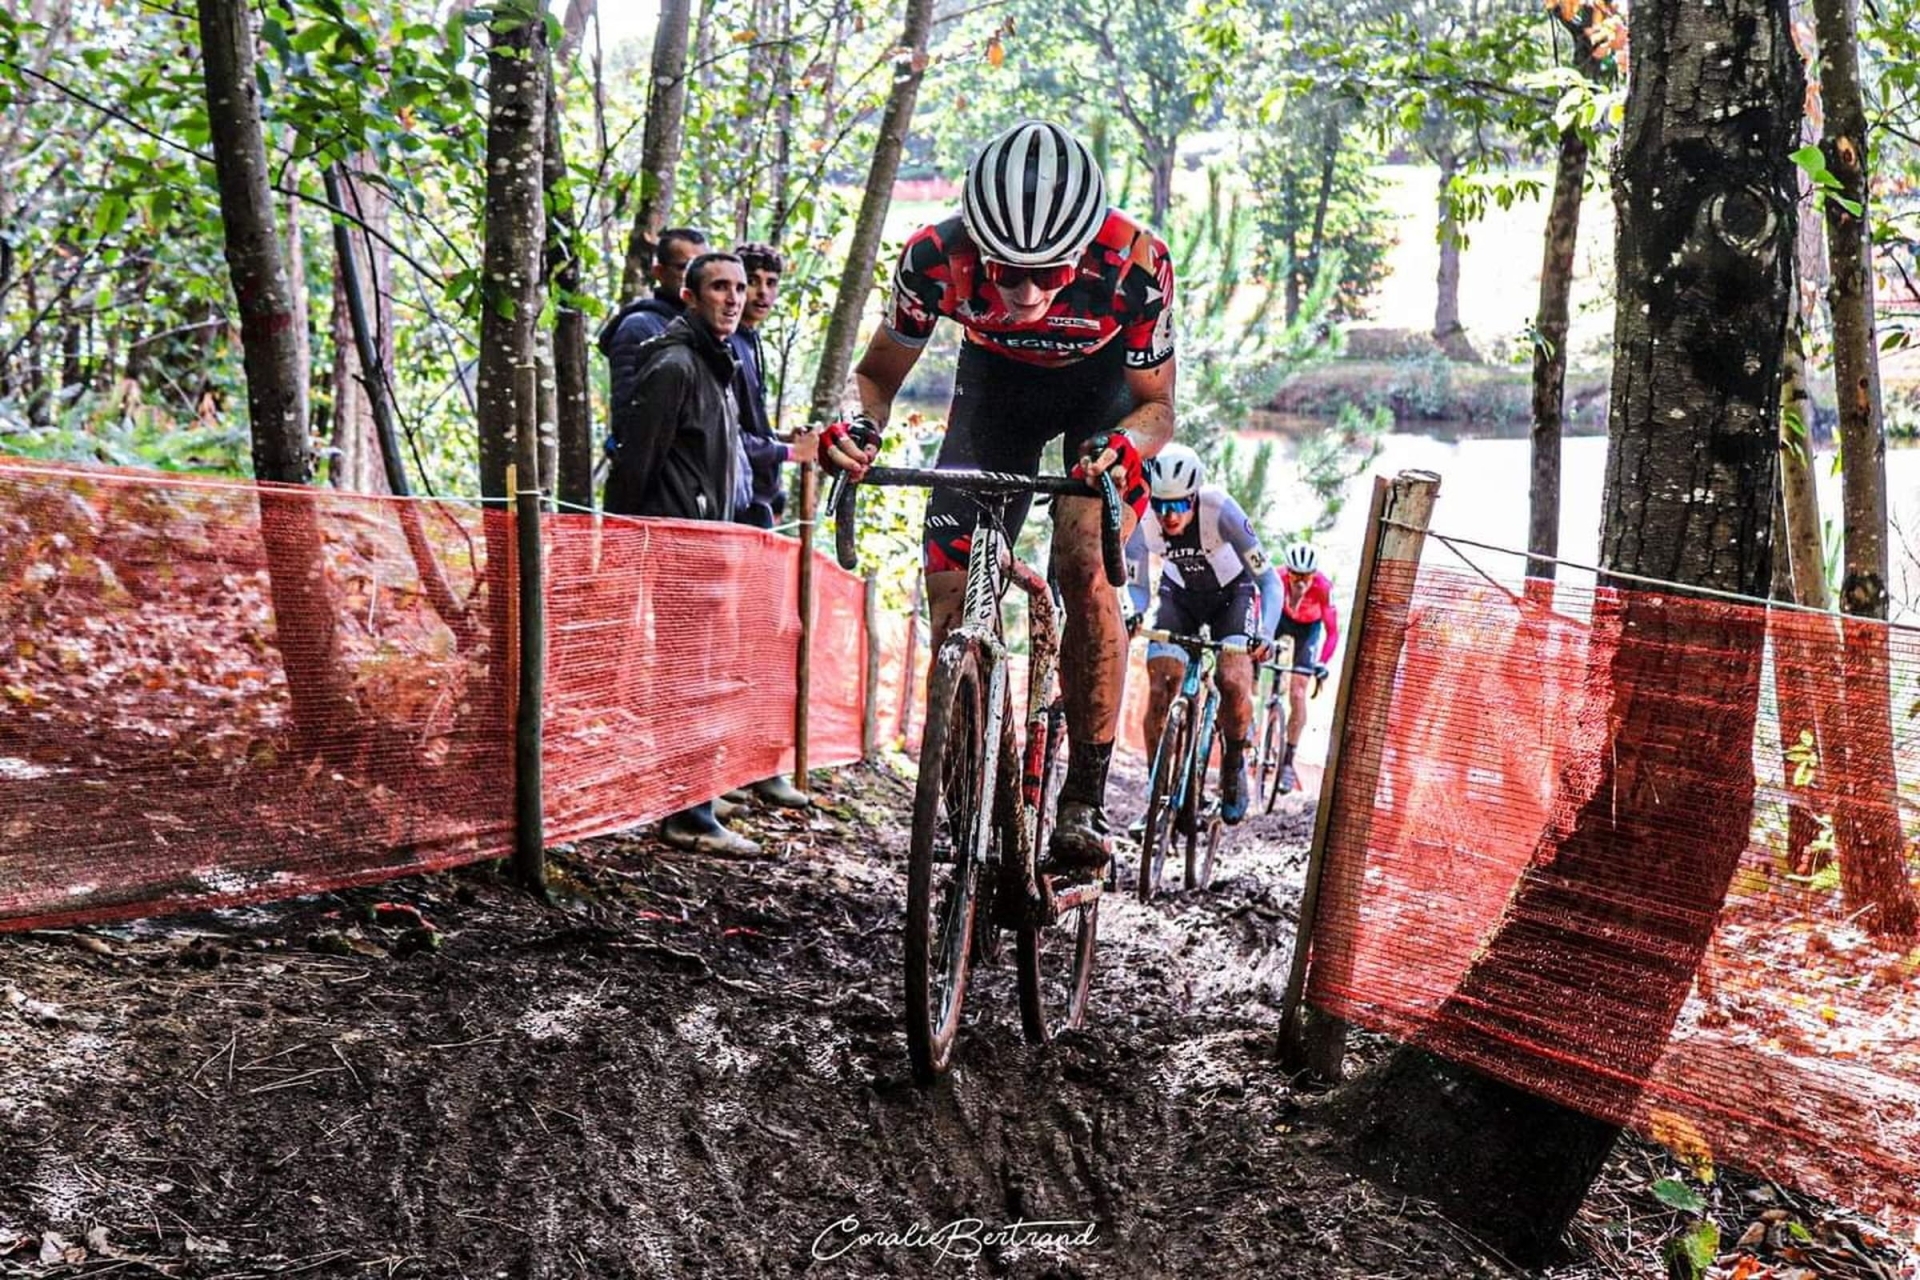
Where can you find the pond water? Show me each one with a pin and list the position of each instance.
(1484, 496)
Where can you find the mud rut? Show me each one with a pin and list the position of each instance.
(689, 1068)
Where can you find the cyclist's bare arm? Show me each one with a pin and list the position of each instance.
(876, 381)
(881, 370)
(1151, 421)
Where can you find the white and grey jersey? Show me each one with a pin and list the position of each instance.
(1207, 557)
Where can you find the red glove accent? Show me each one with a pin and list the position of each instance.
(1128, 471)
(855, 435)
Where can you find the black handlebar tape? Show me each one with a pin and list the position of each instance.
(1110, 524)
(844, 523)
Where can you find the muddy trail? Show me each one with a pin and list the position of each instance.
(689, 1068)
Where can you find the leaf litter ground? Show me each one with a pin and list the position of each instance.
(691, 1068)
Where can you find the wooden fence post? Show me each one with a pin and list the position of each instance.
(529, 818)
(1396, 533)
(803, 662)
(907, 663)
(870, 700)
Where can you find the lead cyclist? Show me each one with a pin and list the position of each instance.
(1066, 307)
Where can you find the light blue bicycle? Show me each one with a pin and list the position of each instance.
(1177, 802)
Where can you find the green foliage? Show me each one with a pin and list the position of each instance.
(1676, 1194)
(1690, 1254)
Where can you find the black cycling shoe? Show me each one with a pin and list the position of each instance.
(1081, 841)
(1233, 786)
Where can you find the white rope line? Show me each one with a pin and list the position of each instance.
(1448, 540)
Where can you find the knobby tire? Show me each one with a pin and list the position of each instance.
(949, 804)
(1169, 763)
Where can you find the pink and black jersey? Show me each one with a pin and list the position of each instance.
(1124, 290)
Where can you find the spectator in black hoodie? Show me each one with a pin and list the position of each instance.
(677, 433)
(649, 317)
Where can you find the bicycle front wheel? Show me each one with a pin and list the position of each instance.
(1196, 824)
(1273, 747)
(949, 806)
(1163, 789)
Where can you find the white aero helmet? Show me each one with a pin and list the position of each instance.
(1175, 472)
(1302, 558)
(1034, 196)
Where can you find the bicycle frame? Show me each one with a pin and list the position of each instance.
(1201, 665)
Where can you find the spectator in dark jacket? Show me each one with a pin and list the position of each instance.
(649, 317)
(765, 452)
(678, 453)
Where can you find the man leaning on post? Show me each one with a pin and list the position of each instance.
(678, 454)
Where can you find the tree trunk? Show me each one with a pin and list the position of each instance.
(1867, 829)
(573, 28)
(856, 280)
(303, 606)
(1323, 198)
(1806, 646)
(358, 464)
(511, 272)
(302, 305)
(1706, 231)
(1448, 333)
(659, 143)
(573, 408)
(1160, 163)
(1804, 546)
(782, 162)
(1550, 351)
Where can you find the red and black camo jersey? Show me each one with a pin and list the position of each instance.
(1125, 289)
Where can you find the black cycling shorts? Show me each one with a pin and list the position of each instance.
(1231, 614)
(1306, 643)
(1004, 413)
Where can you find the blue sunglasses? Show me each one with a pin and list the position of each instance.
(1172, 506)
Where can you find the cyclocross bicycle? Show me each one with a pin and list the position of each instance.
(1177, 804)
(1270, 731)
(981, 817)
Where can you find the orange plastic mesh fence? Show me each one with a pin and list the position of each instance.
(155, 753)
(1569, 848)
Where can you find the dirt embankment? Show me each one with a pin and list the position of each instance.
(689, 1069)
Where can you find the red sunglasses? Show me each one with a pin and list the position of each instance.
(1008, 276)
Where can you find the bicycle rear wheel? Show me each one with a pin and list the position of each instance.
(1163, 786)
(1053, 983)
(949, 806)
(1273, 746)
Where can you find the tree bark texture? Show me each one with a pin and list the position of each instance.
(515, 232)
(856, 280)
(511, 269)
(358, 464)
(1856, 367)
(303, 604)
(659, 143)
(1596, 952)
(1550, 350)
(573, 408)
(1867, 828)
